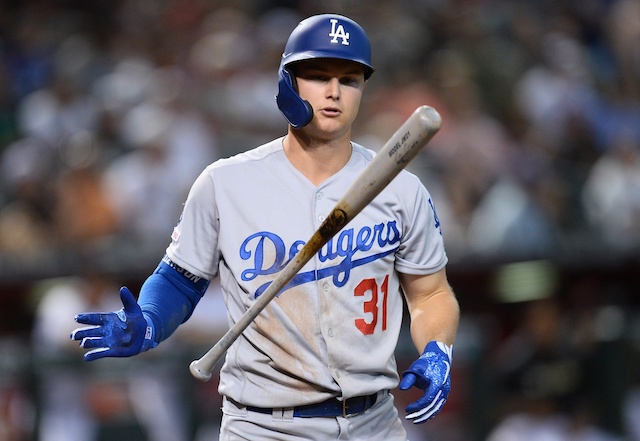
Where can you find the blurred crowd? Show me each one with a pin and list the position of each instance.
(104, 106)
(109, 109)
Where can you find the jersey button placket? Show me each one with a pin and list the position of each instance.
(319, 197)
(322, 206)
(329, 327)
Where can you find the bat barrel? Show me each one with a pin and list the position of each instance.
(394, 156)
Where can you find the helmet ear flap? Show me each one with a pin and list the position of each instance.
(297, 111)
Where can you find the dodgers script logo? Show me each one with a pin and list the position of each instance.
(349, 250)
(337, 31)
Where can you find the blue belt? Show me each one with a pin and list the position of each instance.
(330, 408)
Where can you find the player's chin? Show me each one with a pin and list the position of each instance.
(333, 127)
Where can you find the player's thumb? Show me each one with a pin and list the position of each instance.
(128, 300)
(408, 380)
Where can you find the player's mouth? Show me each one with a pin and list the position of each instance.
(330, 111)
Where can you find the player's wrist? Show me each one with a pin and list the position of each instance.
(438, 346)
(149, 341)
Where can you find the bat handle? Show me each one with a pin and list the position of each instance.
(198, 372)
(202, 367)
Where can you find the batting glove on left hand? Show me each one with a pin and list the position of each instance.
(431, 373)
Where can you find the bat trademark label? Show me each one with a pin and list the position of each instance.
(398, 144)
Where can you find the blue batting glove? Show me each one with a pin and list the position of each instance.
(115, 334)
(431, 373)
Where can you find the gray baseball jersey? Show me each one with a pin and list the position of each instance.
(333, 330)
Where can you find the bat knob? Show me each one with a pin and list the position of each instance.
(197, 373)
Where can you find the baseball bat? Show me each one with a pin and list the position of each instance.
(394, 156)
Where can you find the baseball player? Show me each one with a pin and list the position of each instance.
(318, 362)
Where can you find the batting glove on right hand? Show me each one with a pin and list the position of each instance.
(115, 334)
(431, 373)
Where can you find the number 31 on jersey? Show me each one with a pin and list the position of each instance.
(373, 312)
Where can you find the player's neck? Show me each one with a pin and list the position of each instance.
(316, 159)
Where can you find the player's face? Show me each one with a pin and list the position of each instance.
(334, 90)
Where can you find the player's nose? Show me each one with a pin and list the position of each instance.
(333, 88)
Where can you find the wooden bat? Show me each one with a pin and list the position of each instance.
(394, 156)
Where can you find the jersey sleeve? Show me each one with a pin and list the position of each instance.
(422, 250)
(194, 241)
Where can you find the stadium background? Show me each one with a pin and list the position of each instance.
(109, 109)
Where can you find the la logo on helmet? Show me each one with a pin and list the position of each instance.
(338, 32)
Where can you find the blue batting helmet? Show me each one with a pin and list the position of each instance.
(319, 36)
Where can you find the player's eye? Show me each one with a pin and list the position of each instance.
(313, 75)
(353, 81)
(319, 77)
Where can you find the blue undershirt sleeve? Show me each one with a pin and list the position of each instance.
(168, 298)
